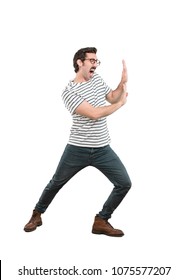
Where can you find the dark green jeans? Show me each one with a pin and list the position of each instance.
(75, 159)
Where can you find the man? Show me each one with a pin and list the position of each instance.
(85, 97)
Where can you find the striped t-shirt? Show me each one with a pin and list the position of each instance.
(86, 132)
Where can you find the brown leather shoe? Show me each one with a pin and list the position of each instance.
(102, 226)
(34, 222)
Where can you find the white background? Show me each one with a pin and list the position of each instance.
(38, 41)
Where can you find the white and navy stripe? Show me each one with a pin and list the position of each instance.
(86, 132)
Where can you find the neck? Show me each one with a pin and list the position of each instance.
(80, 78)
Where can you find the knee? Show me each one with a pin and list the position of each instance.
(129, 184)
(126, 186)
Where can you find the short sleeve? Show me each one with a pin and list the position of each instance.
(71, 100)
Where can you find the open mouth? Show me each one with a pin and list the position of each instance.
(92, 70)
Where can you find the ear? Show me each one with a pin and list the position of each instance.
(79, 62)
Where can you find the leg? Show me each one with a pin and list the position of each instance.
(71, 162)
(112, 167)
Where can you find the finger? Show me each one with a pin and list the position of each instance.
(124, 64)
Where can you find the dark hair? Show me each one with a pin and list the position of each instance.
(81, 54)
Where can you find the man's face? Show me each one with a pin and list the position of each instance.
(88, 66)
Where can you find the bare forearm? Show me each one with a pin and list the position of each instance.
(100, 112)
(117, 93)
(87, 110)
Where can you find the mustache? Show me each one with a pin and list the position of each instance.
(93, 68)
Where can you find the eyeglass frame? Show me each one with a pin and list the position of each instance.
(93, 61)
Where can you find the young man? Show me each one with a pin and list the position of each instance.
(85, 97)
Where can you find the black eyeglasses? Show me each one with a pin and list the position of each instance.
(93, 61)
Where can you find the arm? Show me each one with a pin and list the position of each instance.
(115, 95)
(87, 110)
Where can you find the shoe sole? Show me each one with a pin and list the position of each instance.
(113, 235)
(30, 230)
